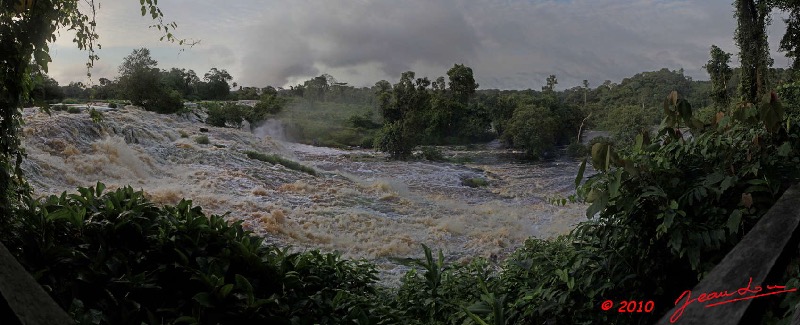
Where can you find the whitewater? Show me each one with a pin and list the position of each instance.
(360, 204)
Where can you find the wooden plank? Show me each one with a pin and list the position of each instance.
(754, 257)
(25, 298)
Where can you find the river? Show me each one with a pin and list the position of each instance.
(360, 204)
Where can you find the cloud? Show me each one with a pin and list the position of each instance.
(345, 34)
(508, 43)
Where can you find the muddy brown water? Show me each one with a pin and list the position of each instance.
(361, 204)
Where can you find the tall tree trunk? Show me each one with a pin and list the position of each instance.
(751, 37)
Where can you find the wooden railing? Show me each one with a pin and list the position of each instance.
(22, 299)
(762, 255)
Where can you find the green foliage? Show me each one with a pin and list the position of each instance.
(112, 105)
(752, 17)
(669, 210)
(432, 154)
(165, 102)
(202, 140)
(278, 160)
(73, 110)
(183, 134)
(226, 115)
(474, 182)
(97, 116)
(395, 139)
(268, 105)
(577, 150)
(364, 121)
(720, 74)
(116, 258)
(630, 121)
(326, 123)
(141, 83)
(216, 85)
(533, 128)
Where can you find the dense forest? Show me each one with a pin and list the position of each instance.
(663, 208)
(386, 116)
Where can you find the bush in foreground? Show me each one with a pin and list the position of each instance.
(116, 258)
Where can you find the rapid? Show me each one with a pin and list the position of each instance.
(360, 204)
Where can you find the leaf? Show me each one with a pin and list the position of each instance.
(203, 298)
(785, 149)
(582, 169)
(613, 187)
(734, 220)
(599, 156)
(771, 112)
(685, 110)
(639, 141)
(668, 218)
(185, 319)
(225, 290)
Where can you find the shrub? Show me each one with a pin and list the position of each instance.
(278, 160)
(59, 107)
(202, 140)
(474, 182)
(534, 129)
(73, 110)
(432, 154)
(268, 105)
(112, 105)
(576, 150)
(167, 102)
(226, 115)
(364, 121)
(183, 134)
(96, 115)
(128, 261)
(396, 139)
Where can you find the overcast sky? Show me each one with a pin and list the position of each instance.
(509, 44)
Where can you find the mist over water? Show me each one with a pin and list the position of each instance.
(272, 128)
(361, 204)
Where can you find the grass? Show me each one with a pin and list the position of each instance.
(475, 182)
(278, 160)
(326, 124)
(202, 140)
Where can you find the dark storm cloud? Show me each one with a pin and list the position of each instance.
(508, 43)
(342, 34)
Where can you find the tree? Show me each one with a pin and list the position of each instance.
(44, 87)
(185, 82)
(142, 84)
(400, 109)
(790, 43)
(720, 74)
(139, 77)
(585, 91)
(75, 90)
(752, 17)
(26, 28)
(551, 84)
(217, 87)
(533, 128)
(461, 83)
